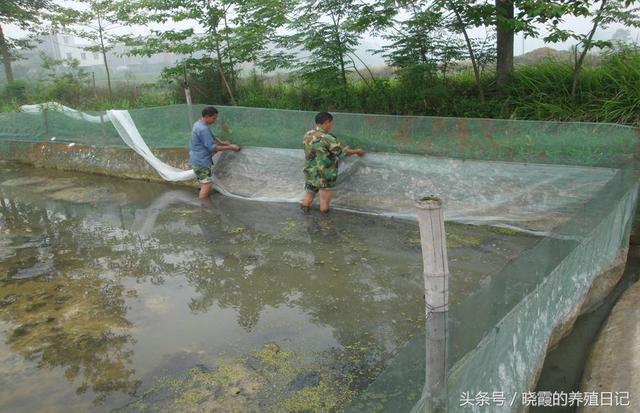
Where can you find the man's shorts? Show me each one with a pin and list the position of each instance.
(204, 174)
(315, 189)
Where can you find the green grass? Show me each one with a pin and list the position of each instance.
(608, 92)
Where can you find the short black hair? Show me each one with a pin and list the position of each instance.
(209, 111)
(322, 117)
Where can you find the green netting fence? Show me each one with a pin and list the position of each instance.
(576, 181)
(565, 143)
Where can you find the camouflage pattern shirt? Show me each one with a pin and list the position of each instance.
(322, 152)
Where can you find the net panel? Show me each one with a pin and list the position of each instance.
(499, 331)
(562, 143)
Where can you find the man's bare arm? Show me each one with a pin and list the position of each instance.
(229, 147)
(358, 152)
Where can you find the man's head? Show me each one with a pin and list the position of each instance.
(209, 115)
(324, 120)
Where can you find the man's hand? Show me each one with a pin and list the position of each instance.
(358, 152)
(235, 148)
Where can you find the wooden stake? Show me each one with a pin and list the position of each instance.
(187, 95)
(436, 294)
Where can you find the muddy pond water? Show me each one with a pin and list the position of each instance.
(128, 296)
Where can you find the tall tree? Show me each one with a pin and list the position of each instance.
(93, 21)
(96, 25)
(531, 14)
(256, 33)
(329, 31)
(504, 40)
(27, 15)
(607, 12)
(509, 17)
(204, 38)
(429, 37)
(219, 37)
(467, 16)
(413, 40)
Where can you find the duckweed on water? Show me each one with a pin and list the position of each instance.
(291, 225)
(458, 236)
(465, 235)
(504, 231)
(269, 379)
(319, 398)
(456, 240)
(77, 324)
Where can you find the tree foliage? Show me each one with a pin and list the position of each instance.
(29, 16)
(215, 35)
(317, 41)
(327, 31)
(93, 21)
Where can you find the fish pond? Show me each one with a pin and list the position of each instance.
(127, 296)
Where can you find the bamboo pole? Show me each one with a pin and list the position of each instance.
(187, 95)
(430, 216)
(45, 120)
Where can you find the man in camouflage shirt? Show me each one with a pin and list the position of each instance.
(322, 152)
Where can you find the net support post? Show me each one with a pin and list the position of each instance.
(430, 214)
(103, 127)
(187, 95)
(45, 120)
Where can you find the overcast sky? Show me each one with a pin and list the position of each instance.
(369, 42)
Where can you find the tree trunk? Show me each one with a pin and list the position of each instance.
(365, 66)
(504, 43)
(341, 56)
(472, 54)
(226, 84)
(104, 54)
(231, 63)
(364, 80)
(373, 78)
(343, 72)
(6, 57)
(223, 77)
(423, 37)
(585, 50)
(343, 76)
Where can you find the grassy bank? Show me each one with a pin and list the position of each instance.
(608, 92)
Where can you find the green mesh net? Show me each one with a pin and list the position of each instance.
(564, 143)
(572, 185)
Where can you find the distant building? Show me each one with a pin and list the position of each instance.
(65, 46)
(61, 46)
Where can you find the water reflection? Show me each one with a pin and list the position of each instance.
(60, 314)
(109, 290)
(77, 324)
